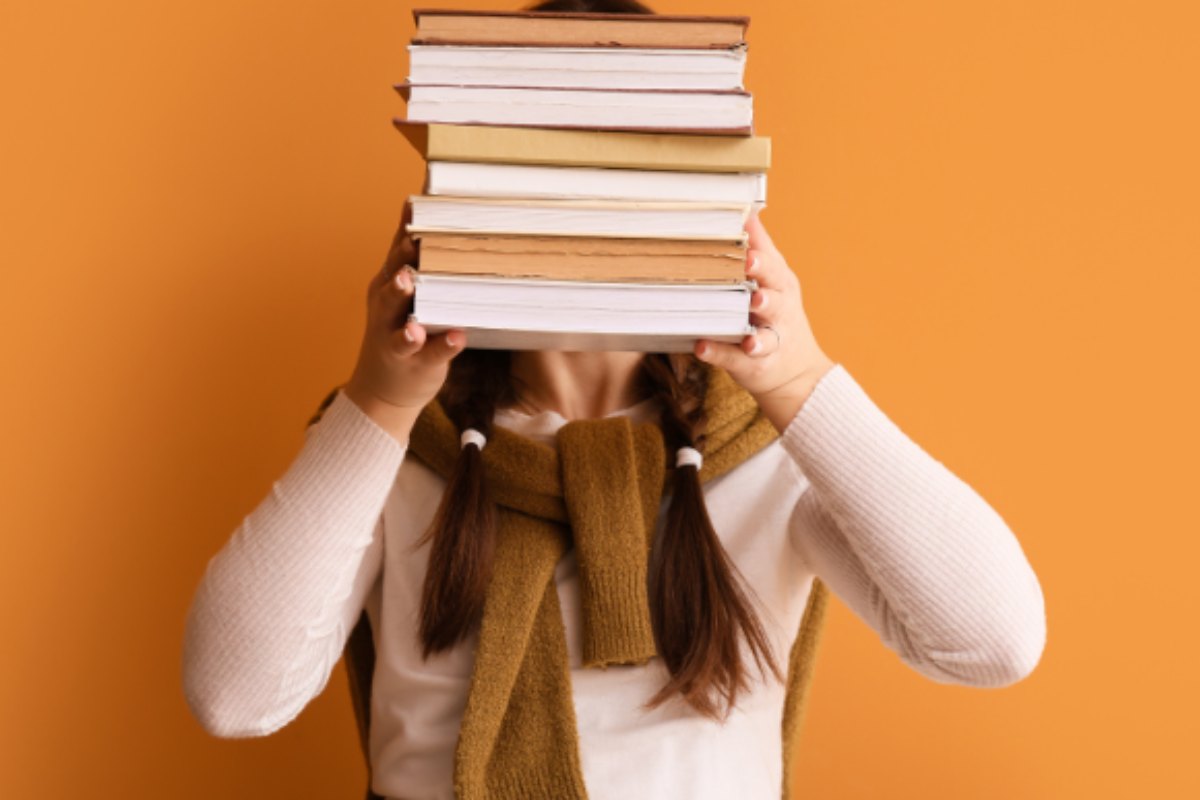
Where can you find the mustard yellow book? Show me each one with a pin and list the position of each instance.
(496, 144)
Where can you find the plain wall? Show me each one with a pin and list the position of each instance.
(992, 207)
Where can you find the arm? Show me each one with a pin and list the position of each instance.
(273, 610)
(914, 551)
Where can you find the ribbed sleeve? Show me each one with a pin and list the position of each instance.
(914, 551)
(275, 605)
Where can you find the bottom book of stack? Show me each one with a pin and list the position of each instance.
(521, 314)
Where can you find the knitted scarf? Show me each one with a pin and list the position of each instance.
(598, 490)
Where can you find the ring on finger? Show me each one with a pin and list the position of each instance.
(778, 338)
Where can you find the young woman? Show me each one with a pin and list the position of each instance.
(585, 573)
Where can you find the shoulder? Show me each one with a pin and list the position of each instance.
(769, 477)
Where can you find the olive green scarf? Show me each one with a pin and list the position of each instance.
(599, 490)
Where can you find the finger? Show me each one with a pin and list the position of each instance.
(405, 221)
(408, 339)
(759, 238)
(403, 249)
(391, 303)
(760, 344)
(398, 257)
(720, 354)
(765, 305)
(442, 347)
(768, 269)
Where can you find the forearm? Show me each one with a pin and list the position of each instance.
(909, 546)
(271, 613)
(398, 421)
(781, 405)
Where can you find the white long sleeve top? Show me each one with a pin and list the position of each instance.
(843, 494)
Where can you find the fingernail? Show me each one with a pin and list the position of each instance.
(753, 268)
(451, 341)
(757, 346)
(762, 301)
(702, 349)
(408, 335)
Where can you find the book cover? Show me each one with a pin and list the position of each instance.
(566, 147)
(577, 67)
(474, 179)
(584, 258)
(453, 26)
(438, 213)
(728, 112)
(550, 315)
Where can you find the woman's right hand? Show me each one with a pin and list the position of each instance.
(400, 367)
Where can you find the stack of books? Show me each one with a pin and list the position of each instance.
(589, 178)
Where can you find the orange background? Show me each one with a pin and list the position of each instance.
(992, 207)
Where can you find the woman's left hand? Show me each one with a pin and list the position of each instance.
(781, 363)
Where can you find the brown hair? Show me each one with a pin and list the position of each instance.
(593, 6)
(699, 608)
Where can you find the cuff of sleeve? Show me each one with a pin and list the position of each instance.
(345, 455)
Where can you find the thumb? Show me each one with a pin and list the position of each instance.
(759, 238)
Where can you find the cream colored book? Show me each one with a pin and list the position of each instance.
(723, 112)
(622, 220)
(472, 179)
(576, 67)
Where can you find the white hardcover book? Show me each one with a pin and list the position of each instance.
(472, 179)
(723, 221)
(581, 108)
(492, 339)
(552, 315)
(577, 67)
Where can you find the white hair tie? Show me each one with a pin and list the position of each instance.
(688, 456)
(472, 436)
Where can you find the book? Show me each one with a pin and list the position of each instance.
(473, 179)
(654, 151)
(432, 213)
(548, 28)
(726, 112)
(577, 67)
(576, 315)
(600, 259)
(576, 341)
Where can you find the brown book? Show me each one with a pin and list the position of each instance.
(584, 258)
(493, 144)
(568, 29)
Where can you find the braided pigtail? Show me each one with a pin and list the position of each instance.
(699, 607)
(463, 533)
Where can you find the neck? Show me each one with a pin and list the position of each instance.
(576, 385)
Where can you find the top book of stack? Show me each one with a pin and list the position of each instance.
(650, 73)
(567, 29)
